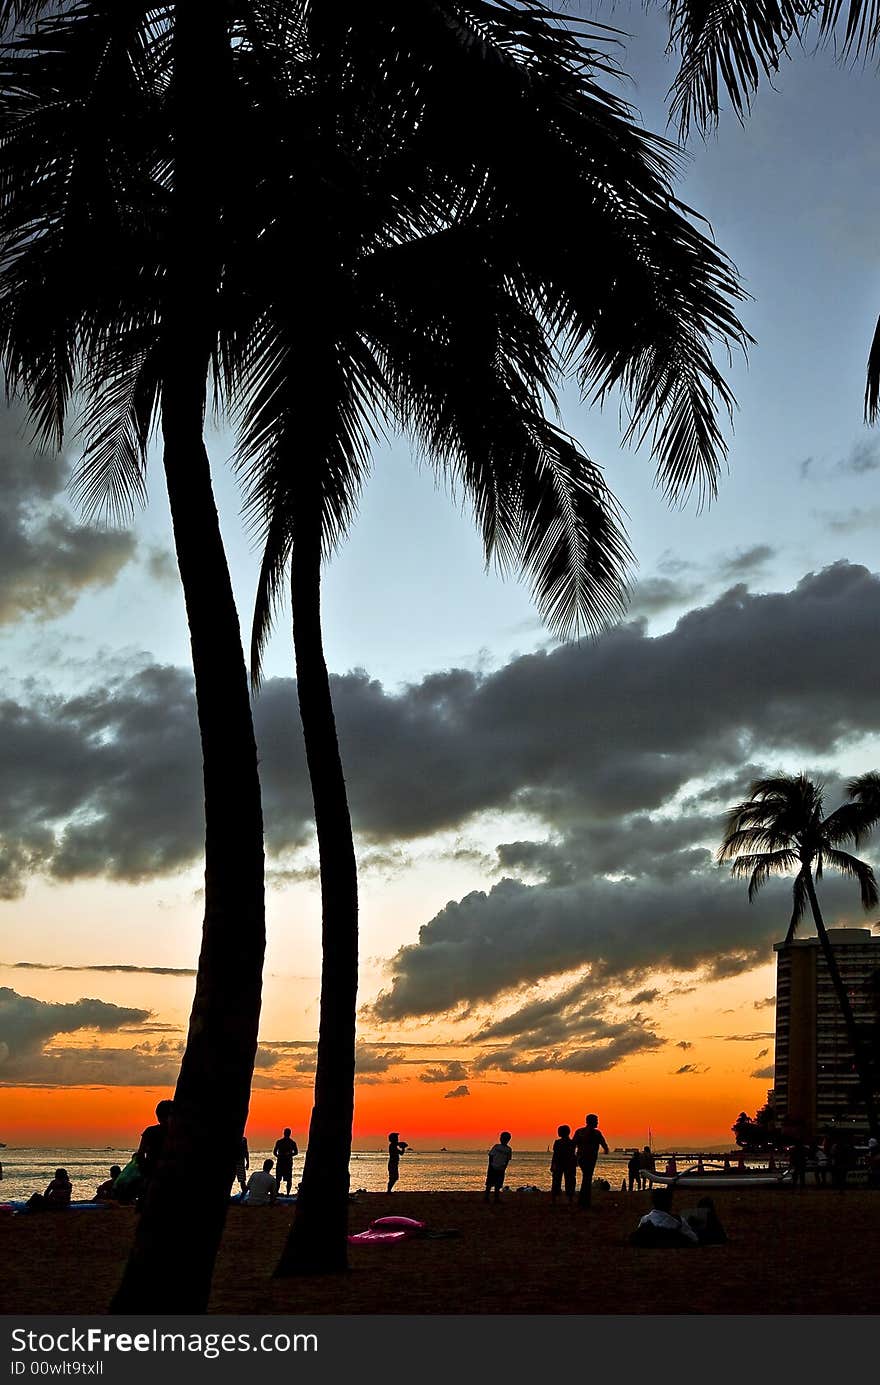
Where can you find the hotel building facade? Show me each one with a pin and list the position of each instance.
(815, 1081)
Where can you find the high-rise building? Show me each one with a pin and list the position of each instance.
(815, 1080)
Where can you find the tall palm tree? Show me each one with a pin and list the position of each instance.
(111, 179)
(782, 827)
(483, 218)
(730, 45)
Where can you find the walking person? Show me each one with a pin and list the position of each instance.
(563, 1166)
(284, 1151)
(396, 1147)
(588, 1140)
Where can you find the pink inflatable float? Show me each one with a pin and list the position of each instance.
(387, 1231)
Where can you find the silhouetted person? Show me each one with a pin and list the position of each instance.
(797, 1162)
(634, 1171)
(105, 1191)
(872, 1160)
(563, 1165)
(705, 1221)
(284, 1151)
(396, 1147)
(648, 1166)
(153, 1140)
(588, 1140)
(243, 1163)
(56, 1198)
(262, 1187)
(500, 1156)
(661, 1226)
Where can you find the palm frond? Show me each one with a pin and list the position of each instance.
(858, 870)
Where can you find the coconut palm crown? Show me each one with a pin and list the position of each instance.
(782, 827)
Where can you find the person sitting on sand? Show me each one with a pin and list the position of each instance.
(56, 1198)
(262, 1188)
(500, 1156)
(661, 1226)
(130, 1182)
(105, 1191)
(563, 1165)
(705, 1221)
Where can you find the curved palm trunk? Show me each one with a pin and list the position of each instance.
(852, 1032)
(171, 1262)
(317, 1242)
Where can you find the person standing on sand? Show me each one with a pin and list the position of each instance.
(500, 1156)
(634, 1171)
(285, 1150)
(149, 1150)
(648, 1166)
(588, 1140)
(396, 1147)
(242, 1165)
(563, 1166)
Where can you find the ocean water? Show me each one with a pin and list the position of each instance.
(29, 1170)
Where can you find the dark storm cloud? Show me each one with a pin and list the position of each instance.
(47, 558)
(612, 1047)
(457, 1092)
(592, 739)
(644, 997)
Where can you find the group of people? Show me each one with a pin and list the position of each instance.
(831, 1158)
(571, 1154)
(256, 1190)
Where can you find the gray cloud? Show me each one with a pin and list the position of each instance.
(849, 521)
(767, 1002)
(47, 558)
(447, 1072)
(689, 1070)
(683, 1043)
(27, 1025)
(767, 1073)
(457, 1092)
(762, 1053)
(109, 967)
(862, 458)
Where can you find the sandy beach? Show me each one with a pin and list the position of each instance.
(789, 1252)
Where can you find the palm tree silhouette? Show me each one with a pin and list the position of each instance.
(482, 218)
(112, 171)
(728, 45)
(781, 828)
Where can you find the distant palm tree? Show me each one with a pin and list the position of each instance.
(781, 828)
(114, 131)
(727, 45)
(464, 215)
